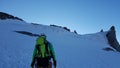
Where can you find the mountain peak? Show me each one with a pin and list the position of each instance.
(111, 36)
(4, 16)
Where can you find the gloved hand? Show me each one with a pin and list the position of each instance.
(33, 62)
(32, 65)
(55, 64)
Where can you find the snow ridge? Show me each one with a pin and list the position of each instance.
(72, 50)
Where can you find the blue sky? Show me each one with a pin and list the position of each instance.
(84, 16)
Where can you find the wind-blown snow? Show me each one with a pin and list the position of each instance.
(72, 50)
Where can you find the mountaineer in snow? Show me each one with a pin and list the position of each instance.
(43, 52)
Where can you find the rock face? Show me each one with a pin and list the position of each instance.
(101, 30)
(111, 36)
(4, 16)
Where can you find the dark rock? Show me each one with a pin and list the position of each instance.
(108, 49)
(35, 24)
(66, 29)
(101, 30)
(27, 33)
(61, 27)
(111, 36)
(4, 16)
(75, 32)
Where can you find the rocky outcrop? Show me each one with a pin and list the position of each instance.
(101, 30)
(111, 36)
(4, 16)
(27, 33)
(61, 27)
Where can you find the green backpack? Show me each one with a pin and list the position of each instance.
(42, 47)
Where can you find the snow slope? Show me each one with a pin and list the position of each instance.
(72, 50)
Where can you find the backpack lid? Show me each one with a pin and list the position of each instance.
(41, 39)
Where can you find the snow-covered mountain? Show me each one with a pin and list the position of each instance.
(17, 41)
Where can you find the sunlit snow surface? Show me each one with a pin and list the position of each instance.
(72, 50)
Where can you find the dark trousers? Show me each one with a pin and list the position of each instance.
(42, 62)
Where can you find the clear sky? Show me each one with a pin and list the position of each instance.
(84, 16)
